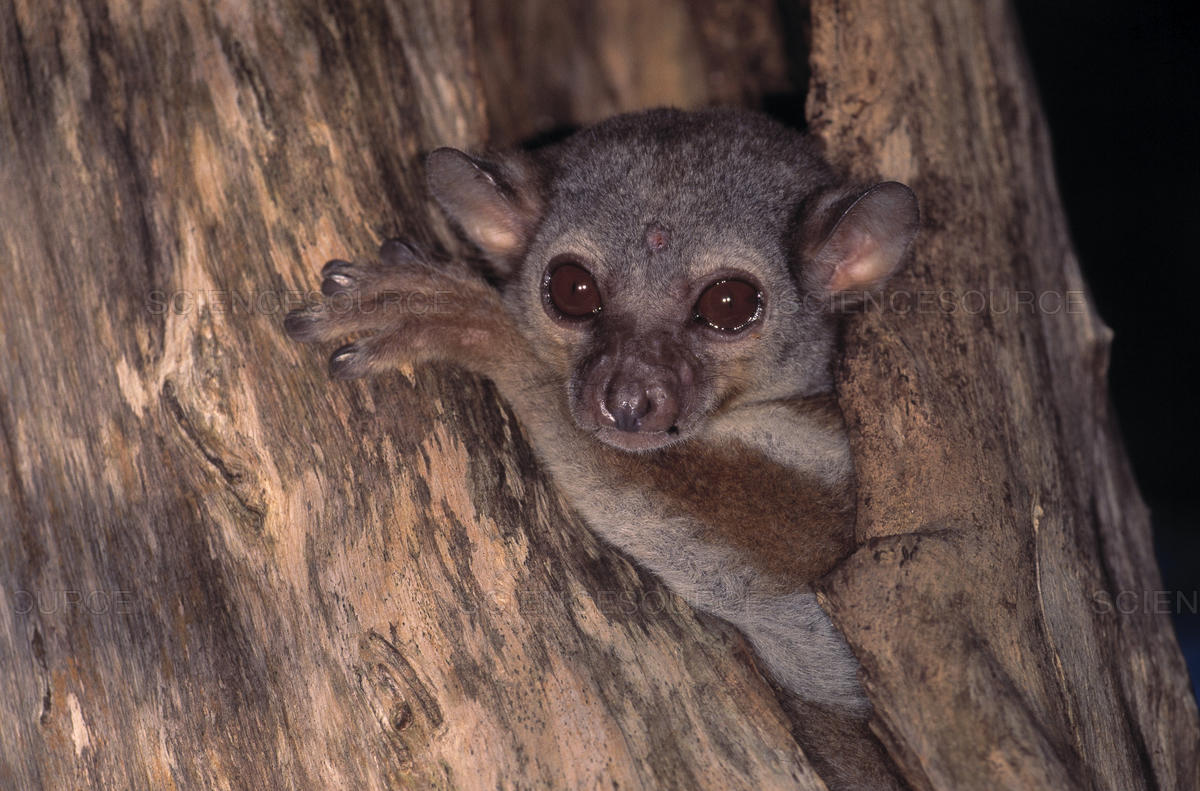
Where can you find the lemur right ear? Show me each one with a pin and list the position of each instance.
(497, 204)
(858, 240)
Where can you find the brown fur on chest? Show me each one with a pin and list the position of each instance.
(791, 525)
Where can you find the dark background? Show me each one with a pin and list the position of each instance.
(1119, 85)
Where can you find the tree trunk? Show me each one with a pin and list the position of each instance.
(222, 570)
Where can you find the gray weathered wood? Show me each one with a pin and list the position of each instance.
(218, 569)
(222, 570)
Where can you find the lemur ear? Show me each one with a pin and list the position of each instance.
(497, 204)
(864, 243)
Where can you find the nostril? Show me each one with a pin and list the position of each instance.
(657, 395)
(628, 404)
(663, 410)
(625, 419)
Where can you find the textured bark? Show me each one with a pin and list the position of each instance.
(221, 570)
(999, 509)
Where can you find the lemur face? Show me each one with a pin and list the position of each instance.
(664, 264)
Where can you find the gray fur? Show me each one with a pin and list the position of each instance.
(727, 183)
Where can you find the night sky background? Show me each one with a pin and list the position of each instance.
(1119, 84)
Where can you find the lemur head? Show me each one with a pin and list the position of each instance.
(670, 264)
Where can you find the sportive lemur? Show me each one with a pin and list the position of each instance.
(658, 300)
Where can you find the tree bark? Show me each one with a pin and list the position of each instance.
(222, 570)
(999, 510)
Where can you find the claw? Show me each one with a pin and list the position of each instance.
(396, 252)
(338, 278)
(346, 362)
(301, 325)
(336, 265)
(337, 283)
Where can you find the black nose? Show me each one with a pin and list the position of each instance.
(641, 403)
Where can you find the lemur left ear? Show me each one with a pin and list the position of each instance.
(865, 243)
(496, 203)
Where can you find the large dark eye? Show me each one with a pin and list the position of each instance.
(729, 305)
(572, 289)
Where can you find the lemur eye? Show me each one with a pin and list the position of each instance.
(729, 305)
(572, 289)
